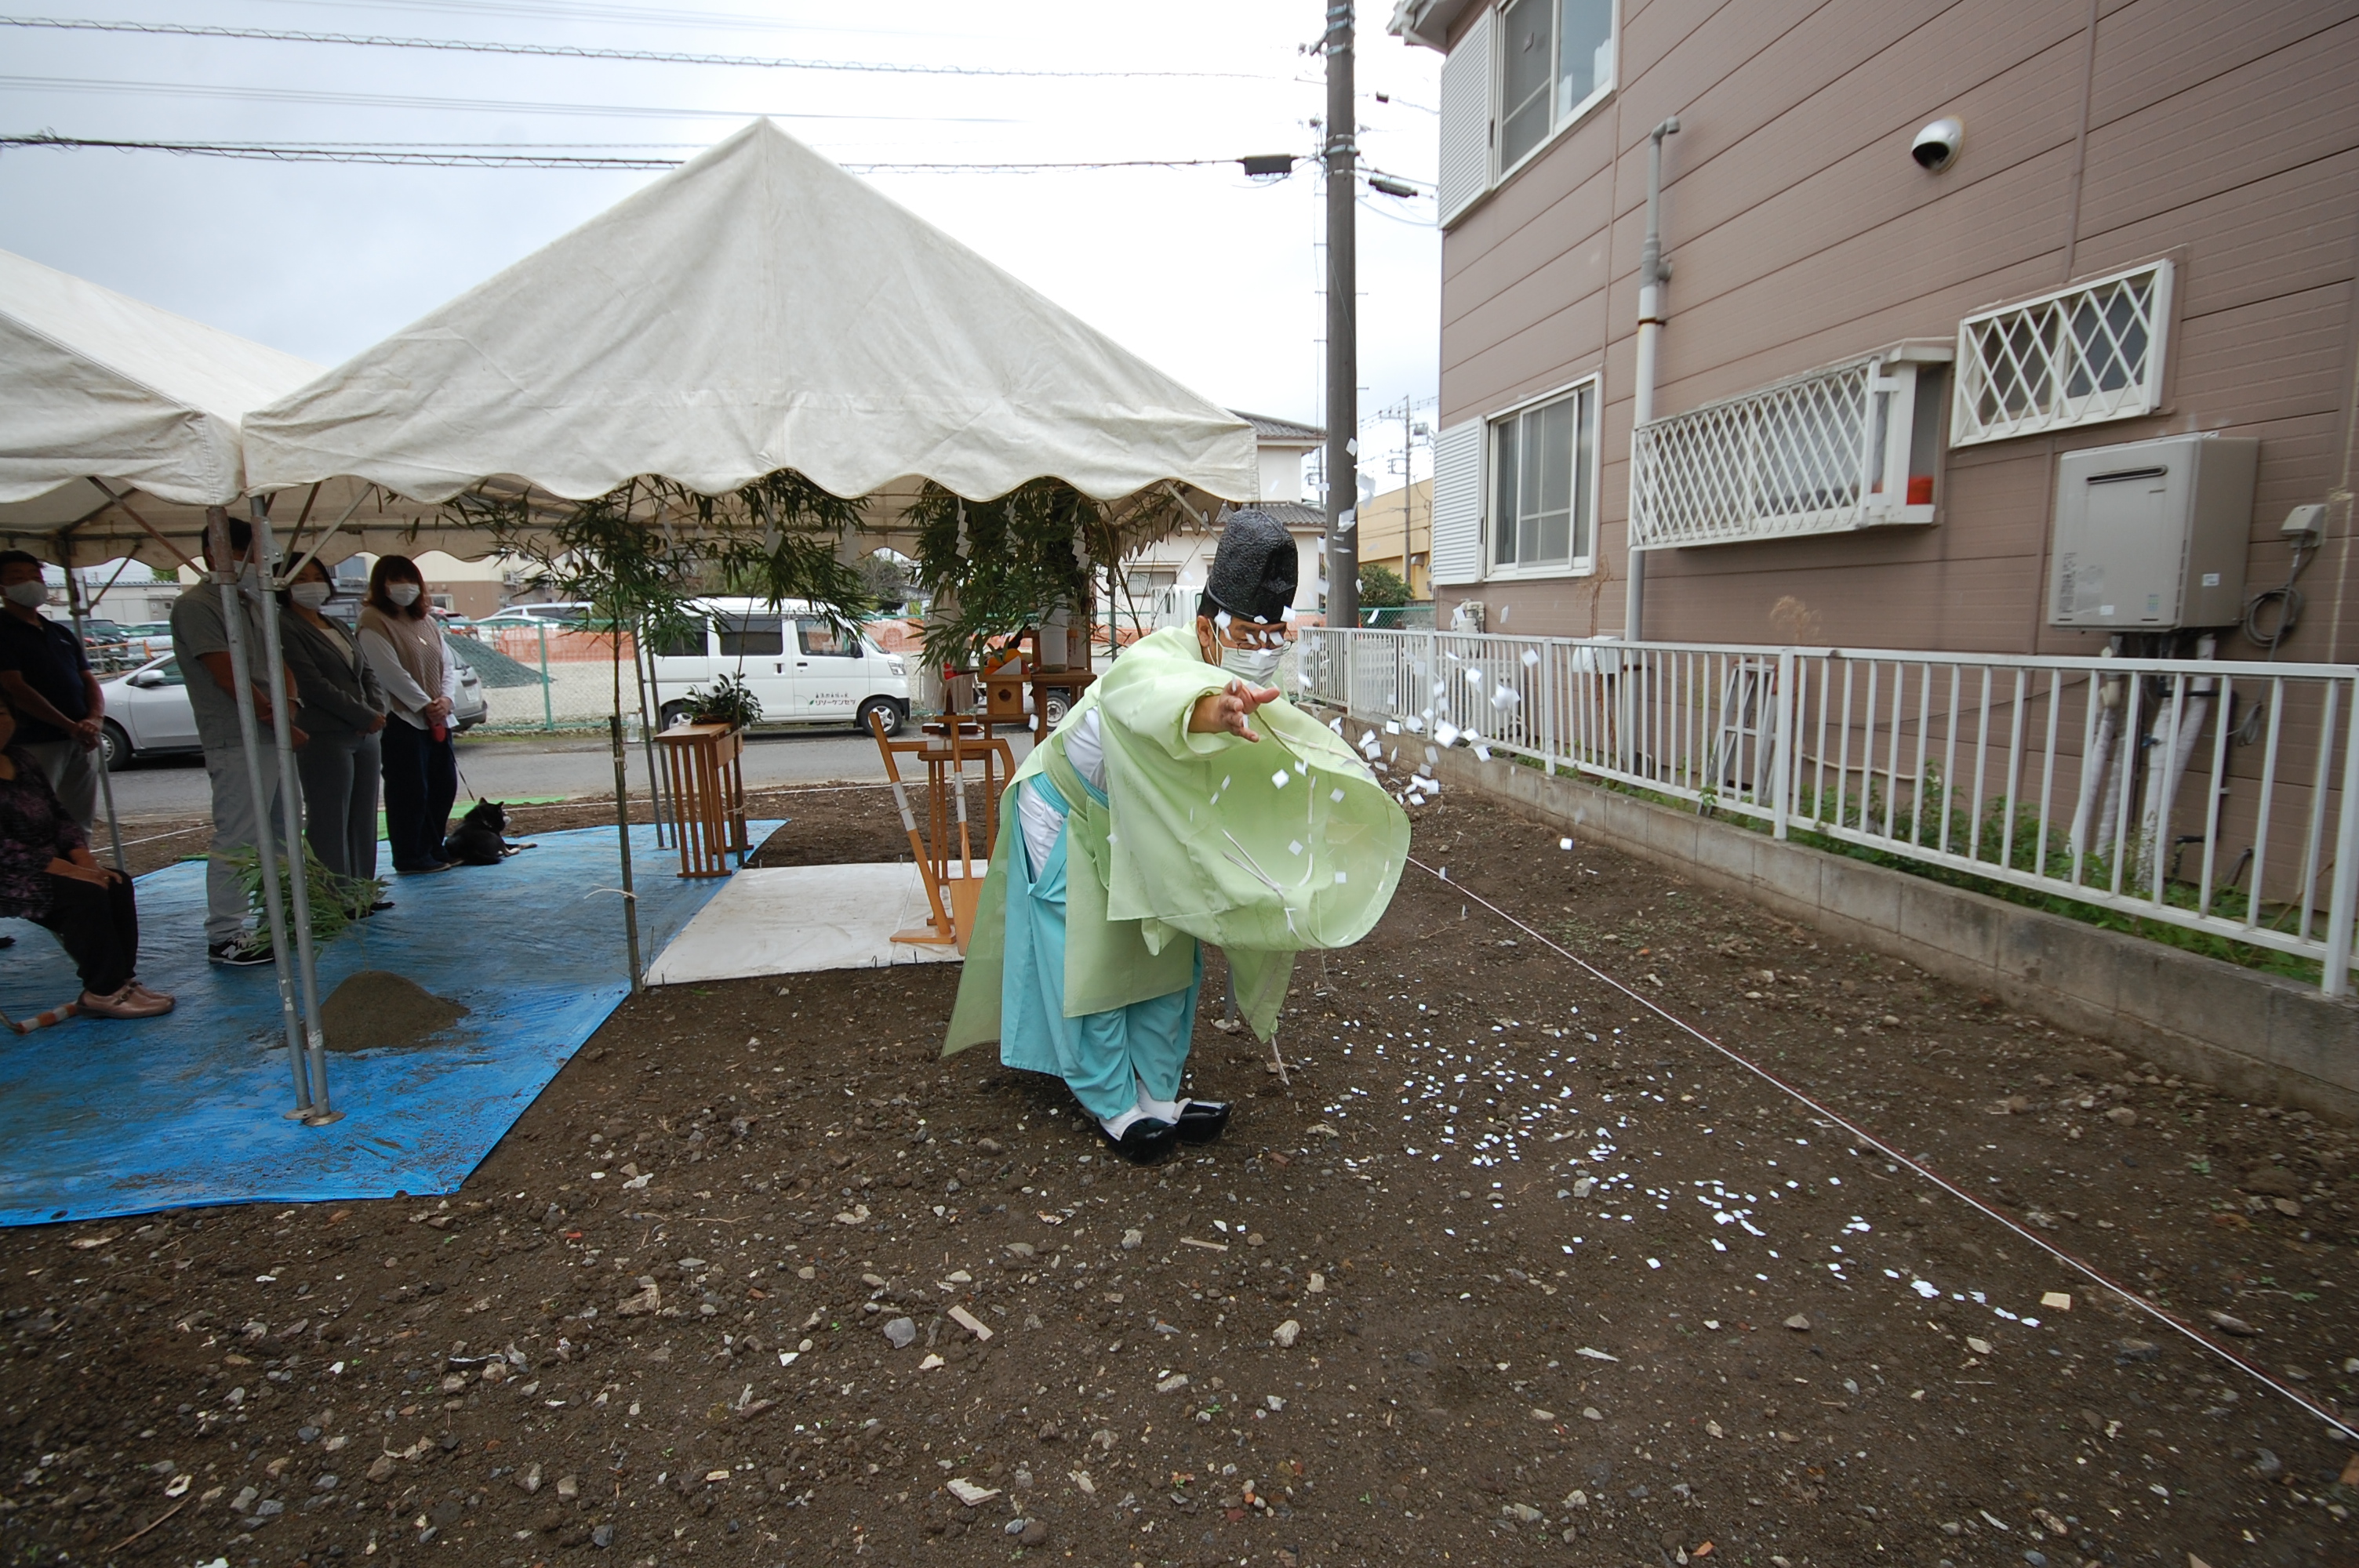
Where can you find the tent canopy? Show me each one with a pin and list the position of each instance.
(757, 309)
(95, 384)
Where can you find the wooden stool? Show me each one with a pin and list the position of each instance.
(705, 765)
(953, 882)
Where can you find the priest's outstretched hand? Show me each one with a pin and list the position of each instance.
(1230, 710)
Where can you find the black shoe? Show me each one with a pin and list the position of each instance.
(379, 907)
(1144, 1141)
(1202, 1120)
(241, 952)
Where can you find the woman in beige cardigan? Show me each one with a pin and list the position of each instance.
(403, 644)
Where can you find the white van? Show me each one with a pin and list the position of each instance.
(803, 670)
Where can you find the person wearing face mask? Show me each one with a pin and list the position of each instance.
(200, 642)
(403, 644)
(48, 876)
(1157, 817)
(343, 710)
(46, 676)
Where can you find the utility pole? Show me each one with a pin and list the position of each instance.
(1342, 325)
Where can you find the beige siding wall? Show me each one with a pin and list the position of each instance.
(2225, 135)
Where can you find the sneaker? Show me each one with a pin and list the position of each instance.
(241, 952)
(128, 1002)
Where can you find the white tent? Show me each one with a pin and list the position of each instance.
(757, 309)
(96, 384)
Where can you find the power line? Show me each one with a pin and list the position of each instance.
(481, 106)
(455, 154)
(627, 16)
(584, 51)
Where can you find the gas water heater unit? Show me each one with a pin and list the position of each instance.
(2151, 535)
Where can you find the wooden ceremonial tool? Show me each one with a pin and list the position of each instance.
(42, 1019)
(947, 747)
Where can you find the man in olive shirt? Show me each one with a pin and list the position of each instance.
(200, 641)
(47, 679)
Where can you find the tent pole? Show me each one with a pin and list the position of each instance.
(622, 842)
(81, 635)
(291, 797)
(643, 675)
(225, 575)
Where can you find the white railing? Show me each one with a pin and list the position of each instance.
(2211, 795)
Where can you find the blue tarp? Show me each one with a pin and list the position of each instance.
(101, 1117)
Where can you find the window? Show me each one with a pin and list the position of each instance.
(751, 636)
(1543, 484)
(2078, 356)
(822, 641)
(1556, 57)
(1851, 446)
(683, 643)
(1521, 72)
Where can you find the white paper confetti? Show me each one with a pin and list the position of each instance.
(1531, 657)
(1294, 847)
(1446, 732)
(1278, 780)
(1336, 796)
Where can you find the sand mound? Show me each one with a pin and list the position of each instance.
(376, 1007)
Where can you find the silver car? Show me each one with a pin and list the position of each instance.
(148, 712)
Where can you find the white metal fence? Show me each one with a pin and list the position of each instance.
(2216, 795)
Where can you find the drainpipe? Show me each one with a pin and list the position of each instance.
(1653, 273)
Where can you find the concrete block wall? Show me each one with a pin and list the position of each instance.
(2264, 1038)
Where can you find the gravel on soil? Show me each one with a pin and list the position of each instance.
(1510, 1271)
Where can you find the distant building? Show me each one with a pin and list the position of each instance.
(1397, 532)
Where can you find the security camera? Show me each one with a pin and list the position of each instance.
(1936, 147)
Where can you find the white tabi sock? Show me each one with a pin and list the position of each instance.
(1115, 1126)
(1162, 1110)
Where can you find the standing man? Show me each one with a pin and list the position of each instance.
(201, 642)
(44, 674)
(1181, 801)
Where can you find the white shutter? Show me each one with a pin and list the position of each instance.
(1467, 120)
(1457, 505)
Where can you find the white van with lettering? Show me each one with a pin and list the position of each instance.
(801, 669)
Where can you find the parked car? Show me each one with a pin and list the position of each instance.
(148, 712)
(560, 612)
(803, 670)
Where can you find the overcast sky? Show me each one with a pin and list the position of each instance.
(1209, 276)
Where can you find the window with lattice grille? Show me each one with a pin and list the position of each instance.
(1851, 446)
(2081, 355)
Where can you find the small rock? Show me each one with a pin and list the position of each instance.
(2267, 1465)
(1132, 1238)
(1172, 1384)
(1035, 1533)
(2136, 1350)
(2290, 1208)
(2271, 1181)
(2014, 1104)
(901, 1332)
(1584, 1186)
(1575, 1498)
(1798, 1323)
(528, 1482)
(1979, 1346)
(1523, 1513)
(380, 1467)
(2035, 1558)
(567, 1488)
(1591, 1413)
(969, 1494)
(1285, 1333)
(1022, 1249)
(603, 1536)
(2124, 1115)
(2236, 1325)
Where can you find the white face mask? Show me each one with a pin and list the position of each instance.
(1259, 665)
(31, 595)
(405, 594)
(310, 595)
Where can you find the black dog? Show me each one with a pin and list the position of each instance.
(479, 840)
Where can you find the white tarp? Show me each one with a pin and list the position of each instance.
(756, 308)
(94, 385)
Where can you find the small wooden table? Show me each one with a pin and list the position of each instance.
(705, 765)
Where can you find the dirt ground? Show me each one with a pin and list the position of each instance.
(1510, 1271)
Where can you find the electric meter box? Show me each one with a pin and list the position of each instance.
(2151, 535)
